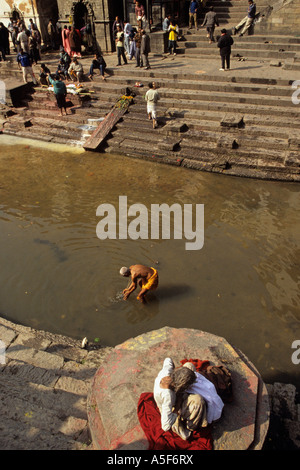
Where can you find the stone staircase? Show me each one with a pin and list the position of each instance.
(258, 45)
(233, 125)
(44, 384)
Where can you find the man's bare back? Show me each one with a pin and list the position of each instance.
(144, 276)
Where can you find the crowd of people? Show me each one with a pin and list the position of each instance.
(131, 42)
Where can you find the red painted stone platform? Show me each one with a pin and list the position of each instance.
(130, 369)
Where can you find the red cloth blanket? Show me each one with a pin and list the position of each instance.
(150, 421)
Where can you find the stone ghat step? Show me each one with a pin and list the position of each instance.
(262, 54)
(196, 137)
(54, 131)
(95, 111)
(254, 39)
(252, 115)
(204, 150)
(26, 404)
(214, 125)
(35, 135)
(209, 156)
(217, 106)
(198, 91)
(190, 98)
(249, 46)
(235, 3)
(140, 75)
(187, 85)
(207, 160)
(78, 116)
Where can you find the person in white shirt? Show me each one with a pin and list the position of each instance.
(204, 387)
(186, 400)
(23, 40)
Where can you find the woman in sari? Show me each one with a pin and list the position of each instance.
(75, 42)
(66, 40)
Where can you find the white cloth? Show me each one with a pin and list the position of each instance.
(207, 390)
(165, 398)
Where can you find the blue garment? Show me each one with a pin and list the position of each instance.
(24, 59)
(59, 87)
(193, 7)
(252, 11)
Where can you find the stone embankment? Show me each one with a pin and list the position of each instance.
(44, 385)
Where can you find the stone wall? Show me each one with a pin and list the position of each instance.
(284, 429)
(100, 15)
(282, 17)
(40, 11)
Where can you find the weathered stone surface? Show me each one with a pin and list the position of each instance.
(232, 120)
(127, 373)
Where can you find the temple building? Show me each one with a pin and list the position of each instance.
(40, 11)
(102, 13)
(99, 13)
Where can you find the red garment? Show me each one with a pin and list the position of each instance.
(150, 421)
(200, 365)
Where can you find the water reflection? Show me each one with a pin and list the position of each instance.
(57, 275)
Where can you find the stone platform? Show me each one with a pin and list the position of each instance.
(130, 369)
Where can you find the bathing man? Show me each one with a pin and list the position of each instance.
(147, 278)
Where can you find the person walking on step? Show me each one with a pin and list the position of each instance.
(193, 11)
(248, 20)
(224, 44)
(152, 98)
(210, 21)
(24, 62)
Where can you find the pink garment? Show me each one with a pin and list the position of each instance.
(66, 41)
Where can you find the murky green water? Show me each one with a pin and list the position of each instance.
(55, 274)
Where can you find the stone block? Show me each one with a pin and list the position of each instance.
(227, 142)
(275, 63)
(7, 335)
(284, 396)
(173, 127)
(232, 120)
(43, 359)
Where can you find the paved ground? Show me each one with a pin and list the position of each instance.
(180, 64)
(44, 382)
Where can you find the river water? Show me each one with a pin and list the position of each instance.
(57, 275)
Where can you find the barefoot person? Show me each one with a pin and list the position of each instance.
(60, 92)
(152, 98)
(146, 278)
